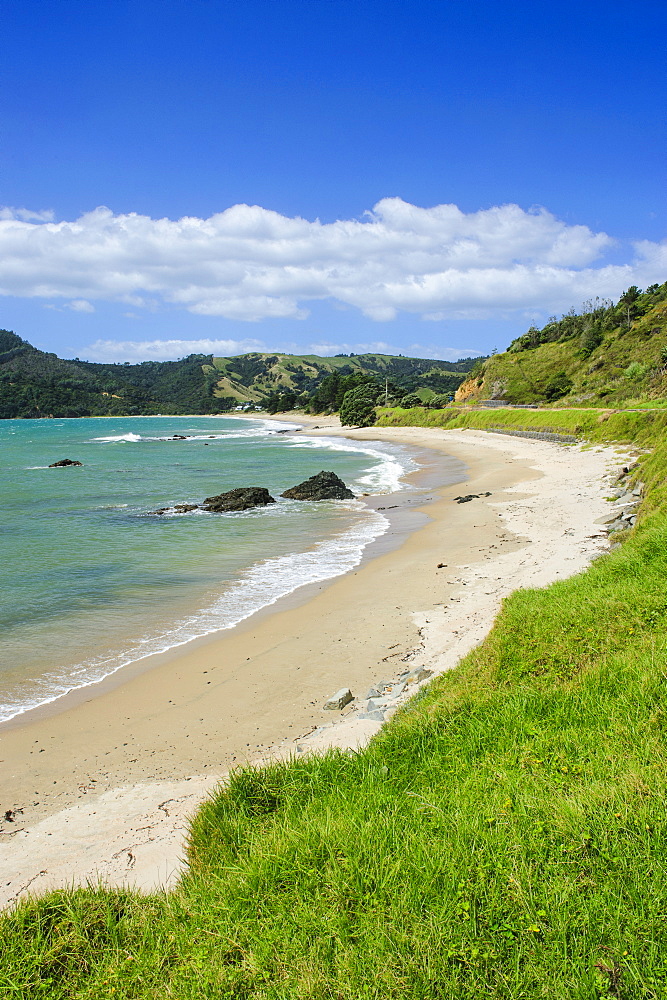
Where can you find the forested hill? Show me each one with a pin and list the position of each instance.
(38, 384)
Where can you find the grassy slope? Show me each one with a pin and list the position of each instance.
(598, 379)
(250, 378)
(503, 837)
(642, 427)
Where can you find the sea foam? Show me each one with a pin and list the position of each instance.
(260, 586)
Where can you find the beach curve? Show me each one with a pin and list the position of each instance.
(119, 774)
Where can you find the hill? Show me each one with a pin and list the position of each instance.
(254, 378)
(34, 383)
(606, 355)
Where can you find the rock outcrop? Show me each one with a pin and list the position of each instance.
(625, 500)
(242, 498)
(63, 462)
(323, 486)
(179, 508)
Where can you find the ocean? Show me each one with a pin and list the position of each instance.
(91, 581)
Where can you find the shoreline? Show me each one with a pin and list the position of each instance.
(119, 773)
(405, 513)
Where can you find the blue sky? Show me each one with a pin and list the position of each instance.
(274, 172)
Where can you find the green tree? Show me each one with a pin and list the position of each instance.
(441, 400)
(358, 406)
(324, 397)
(412, 399)
(590, 339)
(629, 306)
(279, 402)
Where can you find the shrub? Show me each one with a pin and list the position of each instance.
(635, 371)
(412, 399)
(558, 386)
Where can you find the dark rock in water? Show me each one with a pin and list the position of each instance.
(179, 508)
(323, 486)
(242, 498)
(179, 437)
(63, 462)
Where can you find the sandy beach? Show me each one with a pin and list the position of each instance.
(100, 785)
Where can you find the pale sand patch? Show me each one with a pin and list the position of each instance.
(121, 772)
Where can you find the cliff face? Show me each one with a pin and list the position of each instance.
(469, 391)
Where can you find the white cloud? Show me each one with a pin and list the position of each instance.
(249, 263)
(170, 350)
(81, 306)
(166, 350)
(327, 349)
(443, 353)
(25, 215)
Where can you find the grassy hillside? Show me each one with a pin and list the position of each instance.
(505, 836)
(610, 355)
(254, 377)
(38, 384)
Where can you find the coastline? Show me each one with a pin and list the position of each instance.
(116, 775)
(93, 663)
(401, 510)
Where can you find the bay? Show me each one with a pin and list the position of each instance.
(91, 580)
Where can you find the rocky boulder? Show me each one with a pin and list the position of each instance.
(63, 462)
(179, 508)
(242, 498)
(323, 486)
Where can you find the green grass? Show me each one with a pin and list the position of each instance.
(627, 365)
(641, 428)
(503, 837)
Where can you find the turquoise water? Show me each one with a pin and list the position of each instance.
(91, 581)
